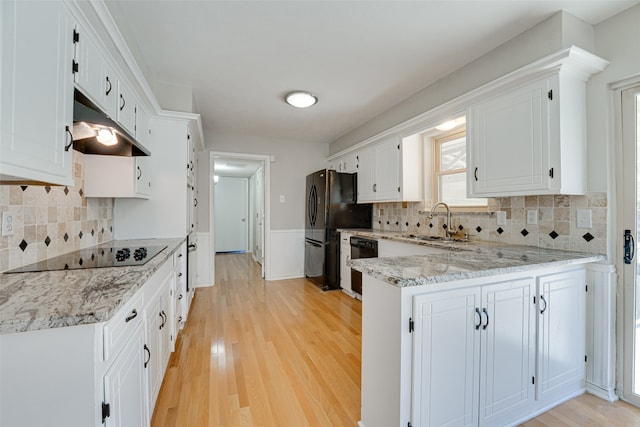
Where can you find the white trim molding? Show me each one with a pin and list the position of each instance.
(600, 372)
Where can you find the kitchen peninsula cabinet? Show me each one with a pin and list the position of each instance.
(471, 352)
(390, 171)
(36, 36)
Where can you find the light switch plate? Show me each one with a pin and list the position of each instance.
(501, 218)
(583, 218)
(7, 223)
(282, 198)
(532, 217)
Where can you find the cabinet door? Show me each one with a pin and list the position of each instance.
(345, 256)
(91, 73)
(446, 345)
(125, 385)
(366, 176)
(191, 157)
(126, 108)
(508, 350)
(387, 170)
(142, 183)
(155, 325)
(36, 88)
(561, 333)
(508, 142)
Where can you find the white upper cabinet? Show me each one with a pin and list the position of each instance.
(36, 110)
(529, 137)
(347, 163)
(90, 73)
(126, 107)
(117, 176)
(390, 171)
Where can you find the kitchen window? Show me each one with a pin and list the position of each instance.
(450, 169)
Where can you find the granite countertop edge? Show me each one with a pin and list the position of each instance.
(23, 308)
(403, 282)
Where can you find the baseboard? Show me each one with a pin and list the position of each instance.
(545, 408)
(608, 395)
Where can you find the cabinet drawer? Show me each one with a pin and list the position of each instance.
(118, 330)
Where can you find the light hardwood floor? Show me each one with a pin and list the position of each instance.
(284, 353)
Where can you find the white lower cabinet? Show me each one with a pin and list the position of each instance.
(473, 354)
(478, 352)
(125, 385)
(159, 313)
(561, 334)
(345, 270)
(96, 375)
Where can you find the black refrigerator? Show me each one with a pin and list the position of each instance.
(330, 205)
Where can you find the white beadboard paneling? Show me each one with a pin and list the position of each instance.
(286, 259)
(204, 276)
(601, 331)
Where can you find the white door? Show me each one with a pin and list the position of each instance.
(231, 211)
(507, 350)
(446, 356)
(629, 234)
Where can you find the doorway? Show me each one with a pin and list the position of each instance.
(240, 205)
(630, 202)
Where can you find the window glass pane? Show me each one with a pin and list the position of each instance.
(453, 154)
(453, 190)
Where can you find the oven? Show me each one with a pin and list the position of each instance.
(361, 248)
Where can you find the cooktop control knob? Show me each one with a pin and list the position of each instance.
(140, 254)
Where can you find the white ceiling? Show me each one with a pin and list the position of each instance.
(237, 168)
(359, 57)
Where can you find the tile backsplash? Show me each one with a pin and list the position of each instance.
(52, 220)
(556, 217)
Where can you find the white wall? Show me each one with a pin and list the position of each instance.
(617, 40)
(558, 32)
(294, 160)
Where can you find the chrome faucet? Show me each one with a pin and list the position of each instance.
(448, 232)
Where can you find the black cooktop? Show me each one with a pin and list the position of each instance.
(105, 255)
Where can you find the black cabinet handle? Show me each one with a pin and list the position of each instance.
(146, 362)
(479, 318)
(179, 297)
(70, 141)
(123, 102)
(195, 202)
(180, 274)
(475, 173)
(179, 255)
(139, 172)
(133, 315)
(484, 310)
(108, 91)
(545, 304)
(161, 317)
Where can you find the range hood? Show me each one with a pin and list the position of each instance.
(96, 133)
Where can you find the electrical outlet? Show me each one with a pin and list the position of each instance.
(501, 218)
(282, 198)
(7, 223)
(583, 218)
(532, 217)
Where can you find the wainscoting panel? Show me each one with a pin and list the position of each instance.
(286, 254)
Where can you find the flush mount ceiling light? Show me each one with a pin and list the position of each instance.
(300, 99)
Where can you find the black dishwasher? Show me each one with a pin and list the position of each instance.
(361, 248)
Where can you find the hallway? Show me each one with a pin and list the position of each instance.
(253, 352)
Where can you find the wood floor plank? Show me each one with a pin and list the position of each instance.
(284, 353)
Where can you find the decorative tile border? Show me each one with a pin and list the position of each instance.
(52, 220)
(556, 227)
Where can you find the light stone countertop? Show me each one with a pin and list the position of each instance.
(464, 260)
(54, 299)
